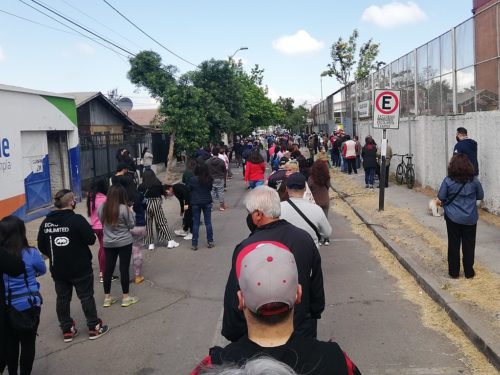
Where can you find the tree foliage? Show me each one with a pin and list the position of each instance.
(343, 54)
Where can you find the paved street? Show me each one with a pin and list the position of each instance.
(177, 319)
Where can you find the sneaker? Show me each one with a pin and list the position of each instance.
(109, 301)
(126, 302)
(210, 245)
(99, 330)
(189, 236)
(171, 244)
(180, 232)
(194, 247)
(151, 246)
(139, 279)
(71, 334)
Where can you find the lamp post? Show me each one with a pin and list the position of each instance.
(235, 52)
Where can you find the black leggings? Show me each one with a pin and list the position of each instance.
(26, 344)
(112, 254)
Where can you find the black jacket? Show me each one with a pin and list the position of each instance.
(310, 277)
(65, 238)
(201, 195)
(304, 355)
(12, 266)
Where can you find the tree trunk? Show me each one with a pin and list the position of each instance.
(170, 157)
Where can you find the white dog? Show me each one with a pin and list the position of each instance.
(435, 207)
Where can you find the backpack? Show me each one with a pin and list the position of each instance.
(275, 162)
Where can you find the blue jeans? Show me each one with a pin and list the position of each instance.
(207, 216)
(255, 183)
(369, 176)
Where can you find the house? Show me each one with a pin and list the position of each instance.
(39, 150)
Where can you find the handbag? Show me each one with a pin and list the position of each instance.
(305, 218)
(23, 322)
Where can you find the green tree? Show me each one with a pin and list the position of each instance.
(181, 104)
(343, 54)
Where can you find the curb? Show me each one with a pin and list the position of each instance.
(462, 319)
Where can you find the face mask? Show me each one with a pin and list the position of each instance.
(250, 223)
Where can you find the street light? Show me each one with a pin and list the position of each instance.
(235, 52)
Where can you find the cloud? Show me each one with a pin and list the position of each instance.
(2, 55)
(85, 48)
(394, 14)
(297, 44)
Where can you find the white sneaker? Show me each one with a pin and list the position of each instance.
(171, 244)
(151, 246)
(189, 236)
(180, 232)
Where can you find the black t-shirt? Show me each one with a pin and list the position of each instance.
(304, 355)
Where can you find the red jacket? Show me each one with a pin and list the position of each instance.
(254, 172)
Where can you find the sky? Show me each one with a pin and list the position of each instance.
(289, 39)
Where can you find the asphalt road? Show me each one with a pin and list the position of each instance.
(177, 318)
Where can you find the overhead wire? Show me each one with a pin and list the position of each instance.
(149, 36)
(71, 28)
(100, 23)
(78, 25)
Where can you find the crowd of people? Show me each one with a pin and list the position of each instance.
(274, 294)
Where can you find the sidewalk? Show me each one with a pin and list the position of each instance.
(419, 241)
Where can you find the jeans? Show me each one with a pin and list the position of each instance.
(466, 235)
(351, 165)
(112, 254)
(369, 176)
(207, 216)
(254, 184)
(84, 287)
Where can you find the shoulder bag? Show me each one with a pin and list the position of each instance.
(448, 201)
(305, 218)
(24, 322)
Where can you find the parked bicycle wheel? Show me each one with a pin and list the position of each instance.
(399, 174)
(410, 177)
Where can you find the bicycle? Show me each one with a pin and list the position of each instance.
(405, 171)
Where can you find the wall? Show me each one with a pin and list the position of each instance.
(431, 140)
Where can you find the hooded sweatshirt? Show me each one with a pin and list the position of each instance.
(65, 238)
(216, 167)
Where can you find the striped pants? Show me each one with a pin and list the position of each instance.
(218, 190)
(154, 212)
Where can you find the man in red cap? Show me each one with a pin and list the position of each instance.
(268, 278)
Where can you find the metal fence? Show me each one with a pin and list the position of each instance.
(455, 73)
(98, 152)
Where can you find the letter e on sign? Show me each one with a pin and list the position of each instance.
(386, 109)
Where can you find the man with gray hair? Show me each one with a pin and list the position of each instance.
(302, 213)
(263, 220)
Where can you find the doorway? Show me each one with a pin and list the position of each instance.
(57, 142)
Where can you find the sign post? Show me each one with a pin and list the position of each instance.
(385, 116)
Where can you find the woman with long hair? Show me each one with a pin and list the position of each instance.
(201, 201)
(23, 294)
(154, 192)
(254, 170)
(319, 183)
(458, 194)
(95, 198)
(369, 156)
(117, 219)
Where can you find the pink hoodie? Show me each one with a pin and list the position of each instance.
(94, 219)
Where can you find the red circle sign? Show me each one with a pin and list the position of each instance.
(387, 111)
